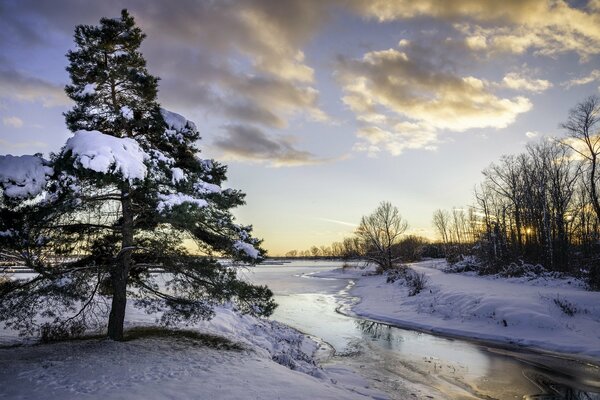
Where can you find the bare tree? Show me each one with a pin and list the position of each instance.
(380, 232)
(441, 222)
(292, 254)
(582, 127)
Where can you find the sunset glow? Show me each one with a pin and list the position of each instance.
(323, 109)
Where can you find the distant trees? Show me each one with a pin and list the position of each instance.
(292, 253)
(457, 230)
(540, 206)
(379, 239)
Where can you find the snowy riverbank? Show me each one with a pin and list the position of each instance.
(511, 311)
(269, 361)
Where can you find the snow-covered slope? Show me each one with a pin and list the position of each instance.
(511, 311)
(152, 368)
(275, 362)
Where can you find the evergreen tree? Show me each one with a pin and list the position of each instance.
(116, 205)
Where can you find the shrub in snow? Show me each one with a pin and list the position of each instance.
(522, 269)
(464, 264)
(116, 203)
(413, 280)
(565, 305)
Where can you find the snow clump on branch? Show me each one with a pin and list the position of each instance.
(23, 176)
(103, 153)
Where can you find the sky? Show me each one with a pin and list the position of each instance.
(324, 108)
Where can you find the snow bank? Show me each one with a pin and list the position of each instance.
(23, 176)
(103, 153)
(556, 316)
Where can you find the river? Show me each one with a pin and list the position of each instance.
(399, 361)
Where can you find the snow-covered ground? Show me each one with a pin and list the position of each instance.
(274, 362)
(513, 311)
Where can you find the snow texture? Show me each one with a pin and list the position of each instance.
(89, 89)
(159, 156)
(178, 175)
(206, 188)
(246, 248)
(558, 316)
(127, 113)
(103, 153)
(168, 201)
(23, 176)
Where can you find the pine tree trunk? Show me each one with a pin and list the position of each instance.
(119, 302)
(120, 272)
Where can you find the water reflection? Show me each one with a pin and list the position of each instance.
(493, 373)
(551, 390)
(375, 330)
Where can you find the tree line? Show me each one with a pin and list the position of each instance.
(539, 207)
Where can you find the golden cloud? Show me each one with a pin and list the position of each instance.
(547, 27)
(402, 101)
(516, 81)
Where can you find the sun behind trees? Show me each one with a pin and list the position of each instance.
(116, 203)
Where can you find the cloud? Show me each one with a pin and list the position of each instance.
(336, 221)
(488, 10)
(240, 59)
(532, 134)
(547, 27)
(22, 145)
(402, 99)
(584, 80)
(17, 86)
(402, 136)
(515, 81)
(248, 143)
(14, 122)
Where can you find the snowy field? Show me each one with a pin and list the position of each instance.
(532, 313)
(269, 361)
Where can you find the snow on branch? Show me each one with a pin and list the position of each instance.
(178, 125)
(168, 201)
(105, 153)
(202, 187)
(246, 248)
(23, 176)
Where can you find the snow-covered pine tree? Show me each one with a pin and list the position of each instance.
(117, 204)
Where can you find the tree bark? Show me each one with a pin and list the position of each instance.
(120, 272)
(593, 192)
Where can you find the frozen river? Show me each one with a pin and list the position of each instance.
(389, 357)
